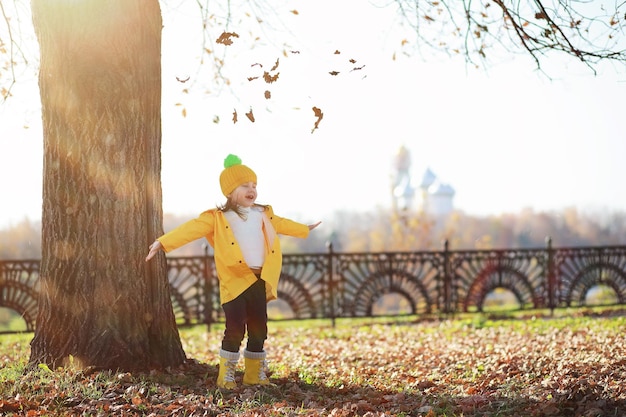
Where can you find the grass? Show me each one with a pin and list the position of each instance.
(516, 363)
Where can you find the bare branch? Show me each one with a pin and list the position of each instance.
(584, 30)
(6, 92)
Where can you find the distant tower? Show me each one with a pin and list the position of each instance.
(440, 198)
(434, 197)
(402, 192)
(428, 179)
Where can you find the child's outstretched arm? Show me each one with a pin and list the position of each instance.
(154, 248)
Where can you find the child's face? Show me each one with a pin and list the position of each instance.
(244, 195)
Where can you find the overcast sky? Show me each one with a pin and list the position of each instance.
(505, 139)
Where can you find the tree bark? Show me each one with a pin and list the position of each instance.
(100, 304)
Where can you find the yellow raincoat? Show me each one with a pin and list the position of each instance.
(234, 274)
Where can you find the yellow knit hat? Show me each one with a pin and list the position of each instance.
(234, 174)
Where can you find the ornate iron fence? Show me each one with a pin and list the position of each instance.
(333, 285)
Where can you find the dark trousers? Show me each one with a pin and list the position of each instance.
(249, 310)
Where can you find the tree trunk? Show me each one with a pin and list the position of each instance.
(100, 304)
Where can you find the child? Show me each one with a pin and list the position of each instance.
(248, 260)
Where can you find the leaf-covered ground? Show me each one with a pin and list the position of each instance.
(573, 366)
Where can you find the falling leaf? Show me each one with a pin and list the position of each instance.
(216, 119)
(184, 112)
(333, 72)
(352, 61)
(295, 12)
(337, 52)
(234, 116)
(225, 38)
(358, 68)
(295, 52)
(318, 113)
(257, 64)
(182, 81)
(430, 19)
(275, 65)
(267, 94)
(270, 78)
(250, 116)
(252, 78)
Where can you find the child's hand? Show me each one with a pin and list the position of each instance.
(314, 225)
(154, 248)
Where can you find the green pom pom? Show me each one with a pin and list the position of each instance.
(231, 160)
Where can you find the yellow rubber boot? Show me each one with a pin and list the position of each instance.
(228, 365)
(256, 367)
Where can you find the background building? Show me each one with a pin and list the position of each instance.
(428, 194)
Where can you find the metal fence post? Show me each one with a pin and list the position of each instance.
(551, 276)
(447, 279)
(331, 282)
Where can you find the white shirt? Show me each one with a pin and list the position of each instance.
(249, 234)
